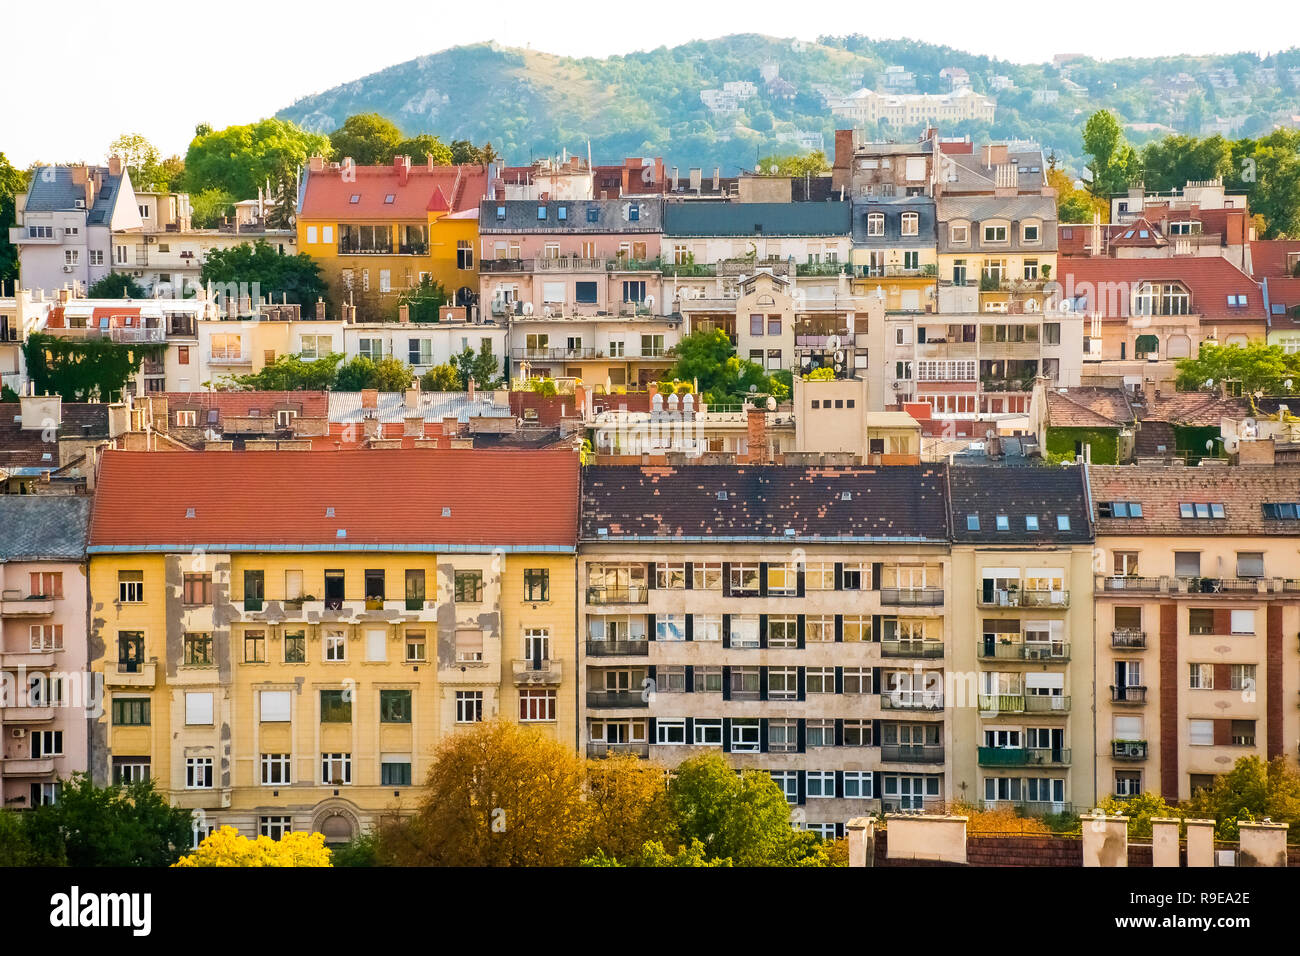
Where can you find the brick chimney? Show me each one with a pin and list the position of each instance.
(370, 398)
(470, 388)
(316, 164)
(403, 166)
(115, 165)
(404, 312)
(756, 428)
(320, 310)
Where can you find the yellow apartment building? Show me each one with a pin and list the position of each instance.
(292, 665)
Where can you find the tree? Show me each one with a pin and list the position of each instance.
(1073, 204)
(1251, 790)
(83, 370)
(1139, 809)
(498, 794)
(1171, 162)
(133, 825)
(239, 159)
(480, 366)
(387, 375)
(421, 147)
(149, 172)
(209, 206)
(12, 183)
(1269, 169)
(709, 358)
(1114, 162)
(1257, 366)
(116, 285)
(441, 378)
(291, 373)
(425, 300)
(627, 798)
(368, 138)
(227, 847)
(283, 197)
(742, 817)
(811, 164)
(653, 853)
(261, 270)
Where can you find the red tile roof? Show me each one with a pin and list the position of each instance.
(1286, 293)
(1268, 257)
(1210, 279)
(1138, 234)
(394, 497)
(1161, 489)
(440, 189)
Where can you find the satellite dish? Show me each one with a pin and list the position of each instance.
(839, 357)
(753, 388)
(1209, 445)
(833, 342)
(1287, 384)
(1209, 383)
(528, 308)
(771, 404)
(649, 302)
(989, 434)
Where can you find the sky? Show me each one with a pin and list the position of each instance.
(236, 61)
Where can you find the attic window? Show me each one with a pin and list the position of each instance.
(341, 533)
(1062, 522)
(602, 532)
(356, 198)
(1119, 509)
(1201, 510)
(1237, 301)
(634, 212)
(541, 213)
(189, 513)
(1004, 523)
(562, 213)
(722, 496)
(1279, 510)
(446, 512)
(389, 199)
(846, 496)
(593, 214)
(501, 212)
(758, 228)
(1031, 522)
(329, 512)
(972, 522)
(789, 532)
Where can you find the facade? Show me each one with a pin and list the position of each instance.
(45, 697)
(1022, 637)
(23, 312)
(913, 109)
(292, 668)
(996, 253)
(66, 223)
(895, 254)
(1195, 601)
(718, 611)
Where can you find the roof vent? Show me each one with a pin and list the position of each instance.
(789, 532)
(846, 496)
(329, 512)
(446, 512)
(602, 532)
(722, 496)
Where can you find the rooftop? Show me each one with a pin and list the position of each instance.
(757, 219)
(1033, 500)
(1161, 490)
(43, 527)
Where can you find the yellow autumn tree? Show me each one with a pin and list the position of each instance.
(226, 847)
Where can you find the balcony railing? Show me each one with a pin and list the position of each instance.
(1024, 650)
(1130, 583)
(618, 648)
(617, 698)
(1128, 639)
(597, 749)
(1024, 756)
(253, 604)
(632, 594)
(556, 354)
(921, 649)
(34, 605)
(911, 597)
(911, 700)
(1129, 694)
(1128, 750)
(1023, 704)
(1021, 597)
(1200, 585)
(911, 753)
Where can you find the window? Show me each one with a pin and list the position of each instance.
(415, 646)
(1201, 510)
(537, 584)
(131, 711)
(782, 683)
(1062, 522)
(1250, 564)
(335, 707)
(197, 650)
(274, 827)
(745, 735)
(469, 706)
(335, 646)
(1242, 733)
(1003, 523)
(708, 732)
(787, 782)
(819, 680)
(959, 232)
(395, 706)
(1241, 677)
(130, 587)
(669, 627)
(1200, 733)
(469, 644)
(295, 647)
(1243, 622)
(395, 770)
(336, 769)
(276, 769)
(198, 773)
(1029, 233)
(875, 224)
(254, 647)
(1119, 509)
(464, 254)
(128, 770)
(708, 627)
(539, 705)
(857, 733)
(469, 586)
(1031, 522)
(995, 233)
(196, 588)
(858, 784)
(1201, 677)
(820, 783)
(198, 708)
(910, 223)
(1281, 510)
(274, 706)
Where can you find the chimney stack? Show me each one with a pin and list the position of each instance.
(115, 165)
(370, 398)
(756, 428)
(717, 178)
(403, 166)
(470, 388)
(316, 164)
(404, 312)
(320, 310)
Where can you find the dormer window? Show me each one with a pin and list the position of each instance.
(593, 214)
(959, 232)
(996, 233)
(876, 224)
(634, 212)
(562, 213)
(1030, 232)
(501, 212)
(911, 224)
(1237, 301)
(541, 213)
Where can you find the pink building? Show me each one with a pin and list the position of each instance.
(44, 694)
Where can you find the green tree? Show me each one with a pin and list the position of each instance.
(283, 198)
(133, 825)
(209, 206)
(1257, 366)
(742, 817)
(291, 373)
(709, 358)
(1114, 163)
(238, 269)
(1269, 170)
(1252, 790)
(441, 378)
(810, 164)
(421, 147)
(425, 300)
(368, 138)
(116, 285)
(240, 159)
(12, 183)
(481, 366)
(83, 370)
(1171, 162)
(653, 853)
(1139, 809)
(149, 172)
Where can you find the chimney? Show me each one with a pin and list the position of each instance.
(717, 178)
(411, 400)
(470, 388)
(370, 427)
(1096, 233)
(429, 157)
(995, 154)
(316, 164)
(450, 426)
(675, 179)
(756, 428)
(320, 310)
(79, 174)
(370, 398)
(115, 165)
(403, 166)
(404, 312)
(696, 178)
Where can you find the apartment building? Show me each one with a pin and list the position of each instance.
(866, 107)
(1196, 194)
(795, 620)
(20, 313)
(379, 231)
(66, 222)
(1022, 637)
(895, 254)
(704, 239)
(994, 169)
(996, 253)
(292, 667)
(45, 697)
(1197, 610)
(863, 169)
(578, 281)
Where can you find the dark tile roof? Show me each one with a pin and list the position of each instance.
(893, 210)
(39, 527)
(52, 190)
(1017, 493)
(1160, 489)
(763, 501)
(757, 218)
(24, 449)
(611, 216)
(83, 420)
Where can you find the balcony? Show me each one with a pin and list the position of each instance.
(125, 335)
(253, 604)
(639, 648)
(617, 698)
(1128, 750)
(556, 354)
(1131, 694)
(631, 594)
(1019, 597)
(911, 753)
(599, 749)
(1130, 583)
(35, 605)
(1199, 585)
(1024, 756)
(18, 235)
(927, 650)
(228, 358)
(1023, 704)
(27, 766)
(1024, 651)
(911, 597)
(911, 700)
(531, 673)
(27, 715)
(130, 674)
(1128, 639)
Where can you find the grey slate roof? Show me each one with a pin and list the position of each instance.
(1016, 493)
(757, 218)
(611, 216)
(52, 190)
(40, 527)
(893, 210)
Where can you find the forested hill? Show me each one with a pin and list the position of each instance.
(529, 103)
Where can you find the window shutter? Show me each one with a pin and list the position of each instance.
(650, 730)
(839, 576)
(876, 628)
(875, 732)
(799, 581)
(839, 783)
(801, 632)
(650, 673)
(690, 679)
(762, 730)
(801, 735)
(726, 682)
(762, 630)
(877, 784)
(839, 680)
(839, 831)
(801, 684)
(1222, 676)
(839, 731)
(877, 572)
(1222, 731)
(839, 628)
(726, 579)
(690, 576)
(875, 681)
(762, 683)
(1222, 620)
(650, 581)
(690, 627)
(762, 579)
(650, 627)
(690, 731)
(726, 630)
(726, 724)
(803, 787)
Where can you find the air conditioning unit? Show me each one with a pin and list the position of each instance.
(138, 274)
(79, 203)
(150, 239)
(67, 268)
(18, 733)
